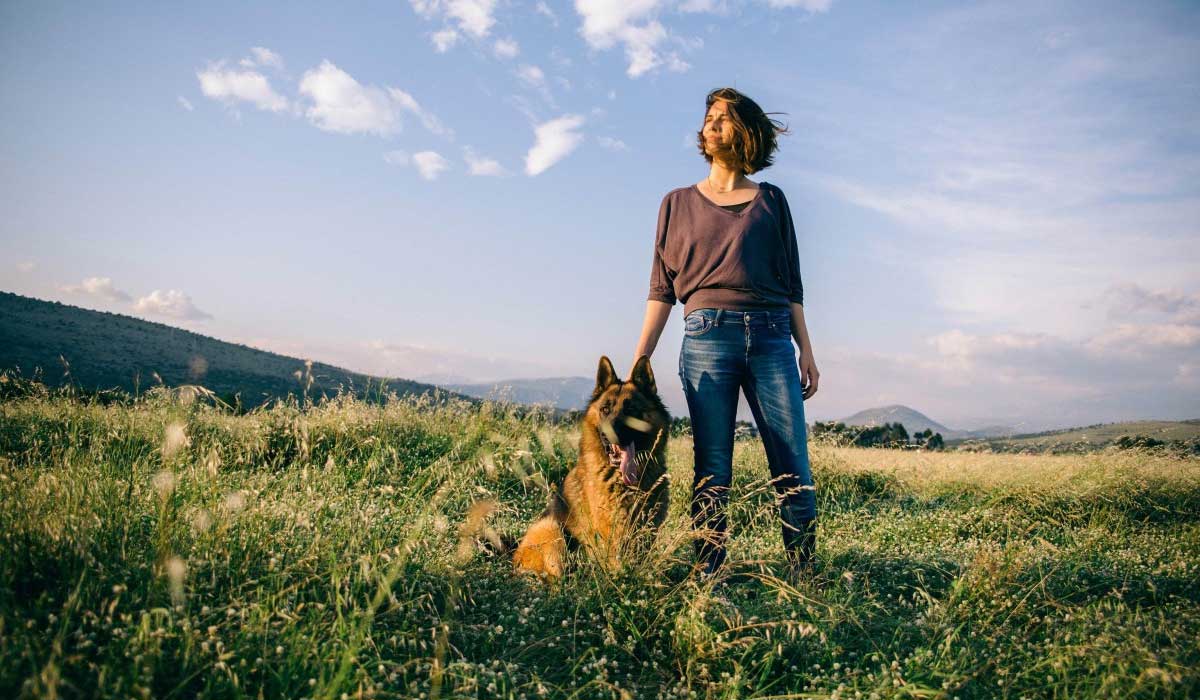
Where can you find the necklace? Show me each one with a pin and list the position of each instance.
(714, 189)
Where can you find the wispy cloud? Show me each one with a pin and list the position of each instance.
(430, 164)
(612, 144)
(397, 157)
(531, 75)
(99, 287)
(478, 165)
(185, 103)
(444, 39)
(506, 48)
(1130, 299)
(543, 9)
(261, 56)
(555, 139)
(810, 5)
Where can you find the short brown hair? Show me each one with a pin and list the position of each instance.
(753, 132)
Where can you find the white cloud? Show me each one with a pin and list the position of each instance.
(231, 86)
(444, 39)
(531, 75)
(810, 5)
(266, 57)
(543, 9)
(477, 165)
(554, 140)
(506, 48)
(171, 303)
(101, 287)
(185, 103)
(609, 22)
(341, 104)
(611, 143)
(474, 17)
(430, 164)
(717, 7)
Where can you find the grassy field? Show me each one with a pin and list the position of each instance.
(167, 549)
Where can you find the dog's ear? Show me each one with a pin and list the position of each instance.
(642, 376)
(605, 376)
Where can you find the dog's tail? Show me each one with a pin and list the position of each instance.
(505, 544)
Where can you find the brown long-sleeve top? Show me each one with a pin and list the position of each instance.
(708, 256)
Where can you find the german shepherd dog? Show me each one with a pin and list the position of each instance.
(618, 487)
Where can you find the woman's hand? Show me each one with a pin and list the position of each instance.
(808, 374)
(808, 366)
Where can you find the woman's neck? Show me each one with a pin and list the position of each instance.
(723, 180)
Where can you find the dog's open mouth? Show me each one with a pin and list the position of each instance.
(625, 458)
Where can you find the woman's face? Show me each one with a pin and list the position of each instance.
(717, 128)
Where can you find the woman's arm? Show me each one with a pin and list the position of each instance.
(657, 313)
(808, 366)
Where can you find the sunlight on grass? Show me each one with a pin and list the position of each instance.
(169, 548)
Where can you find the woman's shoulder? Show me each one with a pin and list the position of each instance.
(677, 192)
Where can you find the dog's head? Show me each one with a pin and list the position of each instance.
(629, 418)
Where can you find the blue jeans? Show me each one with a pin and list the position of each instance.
(724, 351)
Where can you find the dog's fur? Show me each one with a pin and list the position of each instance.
(603, 502)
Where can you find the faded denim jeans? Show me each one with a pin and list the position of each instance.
(724, 351)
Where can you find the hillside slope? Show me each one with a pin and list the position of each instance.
(105, 350)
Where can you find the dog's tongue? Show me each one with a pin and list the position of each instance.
(628, 464)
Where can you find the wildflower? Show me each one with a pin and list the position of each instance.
(174, 439)
(164, 483)
(201, 521)
(176, 570)
(234, 501)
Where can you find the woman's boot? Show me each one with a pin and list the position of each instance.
(800, 546)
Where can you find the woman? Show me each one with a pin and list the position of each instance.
(726, 248)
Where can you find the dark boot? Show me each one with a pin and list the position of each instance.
(800, 546)
(708, 516)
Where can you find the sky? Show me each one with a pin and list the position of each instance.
(997, 205)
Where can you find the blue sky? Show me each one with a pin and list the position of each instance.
(997, 204)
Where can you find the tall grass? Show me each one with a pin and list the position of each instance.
(166, 548)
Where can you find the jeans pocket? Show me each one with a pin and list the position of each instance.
(783, 329)
(696, 325)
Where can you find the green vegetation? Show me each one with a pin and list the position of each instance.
(887, 435)
(170, 548)
(106, 355)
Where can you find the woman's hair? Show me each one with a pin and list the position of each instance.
(753, 133)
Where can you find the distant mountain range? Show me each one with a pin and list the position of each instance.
(106, 350)
(567, 393)
(914, 422)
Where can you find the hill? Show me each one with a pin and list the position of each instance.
(1089, 437)
(112, 351)
(914, 422)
